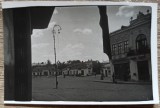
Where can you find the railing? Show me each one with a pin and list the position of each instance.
(138, 52)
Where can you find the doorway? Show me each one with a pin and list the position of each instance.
(143, 70)
(122, 71)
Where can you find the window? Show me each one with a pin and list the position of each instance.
(108, 68)
(126, 46)
(113, 49)
(119, 48)
(141, 42)
(109, 72)
(82, 72)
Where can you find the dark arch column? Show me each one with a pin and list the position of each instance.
(18, 73)
(105, 34)
(105, 30)
(8, 54)
(22, 43)
(25, 19)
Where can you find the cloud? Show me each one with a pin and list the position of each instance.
(50, 26)
(40, 45)
(41, 32)
(55, 11)
(71, 52)
(126, 11)
(85, 31)
(37, 33)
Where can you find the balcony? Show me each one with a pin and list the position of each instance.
(142, 51)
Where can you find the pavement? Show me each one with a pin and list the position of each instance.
(89, 88)
(124, 82)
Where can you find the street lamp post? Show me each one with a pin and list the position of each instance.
(56, 29)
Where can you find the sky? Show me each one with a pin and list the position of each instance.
(81, 35)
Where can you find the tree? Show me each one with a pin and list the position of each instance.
(48, 63)
(96, 67)
(73, 61)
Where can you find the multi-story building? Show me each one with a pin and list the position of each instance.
(131, 54)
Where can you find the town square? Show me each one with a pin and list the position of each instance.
(89, 88)
(84, 69)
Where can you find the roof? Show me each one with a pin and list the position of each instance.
(78, 66)
(104, 65)
(141, 19)
(40, 68)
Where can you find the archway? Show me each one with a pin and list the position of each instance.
(23, 20)
(141, 43)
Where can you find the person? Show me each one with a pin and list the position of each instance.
(114, 78)
(64, 75)
(102, 76)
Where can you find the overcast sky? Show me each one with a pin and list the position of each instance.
(81, 35)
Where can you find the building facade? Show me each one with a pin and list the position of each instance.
(130, 46)
(43, 70)
(106, 70)
(79, 69)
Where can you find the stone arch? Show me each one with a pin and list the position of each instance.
(25, 19)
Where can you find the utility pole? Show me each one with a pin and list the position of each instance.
(56, 30)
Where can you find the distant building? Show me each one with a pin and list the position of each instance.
(43, 70)
(130, 45)
(106, 69)
(79, 69)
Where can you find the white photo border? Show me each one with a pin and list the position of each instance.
(154, 57)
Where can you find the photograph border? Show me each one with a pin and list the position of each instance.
(154, 57)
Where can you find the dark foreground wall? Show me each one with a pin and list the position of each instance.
(18, 25)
